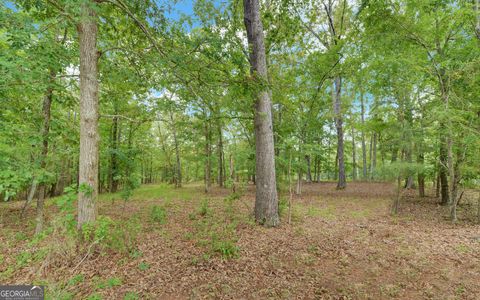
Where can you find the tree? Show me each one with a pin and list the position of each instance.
(89, 138)
(266, 201)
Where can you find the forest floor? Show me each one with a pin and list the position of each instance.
(339, 245)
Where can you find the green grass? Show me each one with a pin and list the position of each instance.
(358, 214)
(156, 191)
(109, 283)
(328, 212)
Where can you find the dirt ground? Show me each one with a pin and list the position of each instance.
(339, 245)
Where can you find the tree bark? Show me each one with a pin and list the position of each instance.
(309, 168)
(421, 177)
(89, 138)
(342, 182)
(266, 201)
(46, 109)
(178, 165)
(398, 196)
(113, 170)
(374, 156)
(208, 167)
(220, 177)
(364, 148)
(443, 171)
(354, 157)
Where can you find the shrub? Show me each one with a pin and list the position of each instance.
(158, 214)
(204, 208)
(226, 248)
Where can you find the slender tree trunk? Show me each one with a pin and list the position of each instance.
(47, 104)
(266, 201)
(396, 201)
(113, 170)
(317, 178)
(31, 194)
(89, 138)
(220, 156)
(364, 148)
(342, 182)
(409, 184)
(374, 156)
(421, 177)
(232, 173)
(455, 181)
(370, 151)
(208, 168)
(309, 168)
(178, 165)
(354, 157)
(443, 170)
(299, 182)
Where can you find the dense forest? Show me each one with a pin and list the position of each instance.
(217, 126)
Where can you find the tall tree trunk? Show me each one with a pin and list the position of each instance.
(220, 174)
(455, 181)
(370, 152)
(266, 201)
(354, 156)
(398, 196)
(374, 156)
(47, 104)
(208, 167)
(421, 177)
(232, 173)
(364, 148)
(89, 138)
(318, 171)
(298, 190)
(113, 170)
(443, 171)
(178, 165)
(342, 182)
(409, 183)
(437, 185)
(309, 168)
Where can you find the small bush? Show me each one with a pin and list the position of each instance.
(204, 208)
(226, 248)
(143, 266)
(158, 214)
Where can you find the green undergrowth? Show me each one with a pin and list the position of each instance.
(155, 191)
(215, 228)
